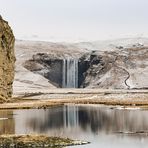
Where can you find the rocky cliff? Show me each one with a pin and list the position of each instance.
(117, 64)
(125, 68)
(7, 60)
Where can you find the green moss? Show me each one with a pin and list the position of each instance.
(36, 141)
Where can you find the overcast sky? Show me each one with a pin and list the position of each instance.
(71, 20)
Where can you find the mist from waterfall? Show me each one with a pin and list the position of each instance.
(70, 73)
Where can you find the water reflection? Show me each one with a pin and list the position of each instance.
(7, 122)
(84, 118)
(98, 124)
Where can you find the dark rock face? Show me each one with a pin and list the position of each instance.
(83, 66)
(7, 60)
(51, 69)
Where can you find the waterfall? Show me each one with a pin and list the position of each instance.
(70, 73)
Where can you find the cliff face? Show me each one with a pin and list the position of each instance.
(123, 68)
(119, 64)
(7, 60)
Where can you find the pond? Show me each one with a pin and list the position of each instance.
(103, 126)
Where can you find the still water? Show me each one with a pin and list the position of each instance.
(103, 126)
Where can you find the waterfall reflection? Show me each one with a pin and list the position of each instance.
(94, 119)
(73, 118)
(91, 123)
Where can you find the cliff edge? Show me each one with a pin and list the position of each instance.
(7, 60)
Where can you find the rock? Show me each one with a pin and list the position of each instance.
(49, 68)
(120, 69)
(7, 60)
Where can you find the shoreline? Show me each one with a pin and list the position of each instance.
(55, 97)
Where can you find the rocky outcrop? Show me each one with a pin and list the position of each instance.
(125, 68)
(50, 68)
(7, 60)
